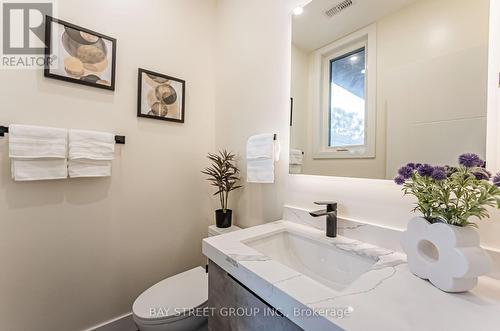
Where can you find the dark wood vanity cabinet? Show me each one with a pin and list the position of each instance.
(236, 308)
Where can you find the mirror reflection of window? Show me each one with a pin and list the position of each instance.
(345, 117)
(347, 100)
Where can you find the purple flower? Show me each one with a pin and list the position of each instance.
(425, 170)
(418, 165)
(399, 180)
(470, 160)
(411, 165)
(406, 172)
(439, 173)
(483, 174)
(496, 180)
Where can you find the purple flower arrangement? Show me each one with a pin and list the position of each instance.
(452, 195)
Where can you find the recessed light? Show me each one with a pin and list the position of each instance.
(298, 11)
(354, 58)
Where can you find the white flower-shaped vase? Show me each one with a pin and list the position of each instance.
(448, 256)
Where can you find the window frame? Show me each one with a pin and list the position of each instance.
(322, 95)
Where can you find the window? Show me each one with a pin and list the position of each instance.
(344, 97)
(347, 99)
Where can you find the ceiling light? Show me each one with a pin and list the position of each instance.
(354, 58)
(298, 11)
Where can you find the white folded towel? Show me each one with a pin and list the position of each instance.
(262, 152)
(33, 142)
(38, 169)
(91, 145)
(90, 153)
(260, 171)
(37, 153)
(89, 168)
(260, 146)
(296, 157)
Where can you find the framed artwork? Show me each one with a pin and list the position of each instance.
(161, 97)
(79, 55)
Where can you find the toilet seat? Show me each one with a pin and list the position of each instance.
(171, 299)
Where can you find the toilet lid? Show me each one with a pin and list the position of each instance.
(170, 297)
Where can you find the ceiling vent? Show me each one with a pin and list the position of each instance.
(339, 8)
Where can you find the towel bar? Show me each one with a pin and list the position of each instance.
(118, 139)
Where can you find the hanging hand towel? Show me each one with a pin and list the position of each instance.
(296, 161)
(38, 169)
(262, 152)
(34, 142)
(38, 153)
(90, 153)
(89, 168)
(296, 157)
(91, 145)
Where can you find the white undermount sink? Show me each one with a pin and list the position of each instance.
(319, 260)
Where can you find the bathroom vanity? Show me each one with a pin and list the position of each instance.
(236, 307)
(294, 277)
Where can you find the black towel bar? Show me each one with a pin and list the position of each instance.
(118, 139)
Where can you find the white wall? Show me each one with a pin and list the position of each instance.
(420, 93)
(253, 93)
(74, 253)
(493, 139)
(433, 70)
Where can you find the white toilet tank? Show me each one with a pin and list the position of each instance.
(215, 231)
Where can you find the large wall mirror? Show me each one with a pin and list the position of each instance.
(377, 84)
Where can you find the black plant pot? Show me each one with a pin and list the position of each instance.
(223, 219)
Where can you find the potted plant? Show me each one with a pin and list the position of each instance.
(442, 245)
(224, 175)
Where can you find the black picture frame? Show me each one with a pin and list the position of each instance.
(48, 53)
(140, 96)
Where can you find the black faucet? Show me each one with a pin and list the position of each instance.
(331, 217)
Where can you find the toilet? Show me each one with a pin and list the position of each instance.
(176, 303)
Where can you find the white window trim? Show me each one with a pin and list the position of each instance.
(321, 95)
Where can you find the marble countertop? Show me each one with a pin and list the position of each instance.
(387, 297)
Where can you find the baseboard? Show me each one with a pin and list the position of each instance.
(121, 323)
